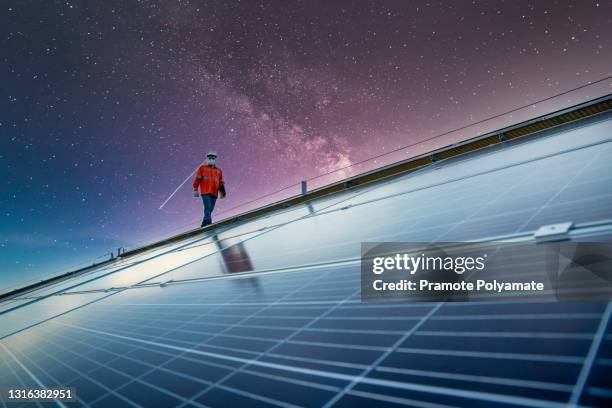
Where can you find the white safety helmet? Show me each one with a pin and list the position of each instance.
(211, 153)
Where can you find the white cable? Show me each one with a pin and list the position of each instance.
(178, 188)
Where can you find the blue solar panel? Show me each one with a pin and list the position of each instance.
(290, 329)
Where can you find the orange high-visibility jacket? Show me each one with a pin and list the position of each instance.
(210, 180)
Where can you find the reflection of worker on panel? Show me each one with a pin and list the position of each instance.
(235, 257)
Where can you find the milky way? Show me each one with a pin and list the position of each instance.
(107, 106)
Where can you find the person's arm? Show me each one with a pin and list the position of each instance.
(196, 182)
(221, 184)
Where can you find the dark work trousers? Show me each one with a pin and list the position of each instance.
(209, 201)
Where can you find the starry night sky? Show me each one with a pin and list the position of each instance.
(106, 106)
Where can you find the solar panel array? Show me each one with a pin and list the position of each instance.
(173, 328)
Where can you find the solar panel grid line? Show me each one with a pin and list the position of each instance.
(2, 402)
(481, 206)
(136, 379)
(70, 359)
(257, 397)
(481, 354)
(270, 271)
(599, 392)
(37, 323)
(388, 306)
(15, 375)
(355, 304)
(397, 400)
(383, 356)
(320, 362)
(219, 333)
(29, 373)
(169, 370)
(92, 371)
(130, 327)
(590, 357)
(293, 381)
(303, 303)
(604, 361)
(488, 171)
(344, 331)
(519, 316)
(55, 382)
(460, 343)
(316, 330)
(50, 285)
(230, 375)
(196, 316)
(338, 345)
(480, 378)
(139, 361)
(160, 368)
(299, 342)
(44, 297)
(273, 271)
(416, 387)
(240, 275)
(109, 390)
(124, 262)
(389, 350)
(81, 283)
(567, 184)
(497, 317)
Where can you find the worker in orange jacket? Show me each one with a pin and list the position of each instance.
(209, 179)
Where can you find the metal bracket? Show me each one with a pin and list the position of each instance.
(164, 284)
(553, 232)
